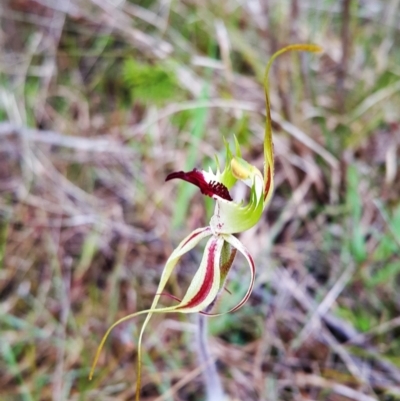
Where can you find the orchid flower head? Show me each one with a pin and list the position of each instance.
(229, 218)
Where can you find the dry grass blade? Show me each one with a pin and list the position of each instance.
(54, 138)
(324, 306)
(312, 380)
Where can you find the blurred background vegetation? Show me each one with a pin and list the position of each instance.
(101, 99)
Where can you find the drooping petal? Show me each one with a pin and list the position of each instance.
(185, 246)
(240, 247)
(206, 181)
(205, 284)
(201, 292)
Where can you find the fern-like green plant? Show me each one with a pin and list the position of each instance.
(150, 83)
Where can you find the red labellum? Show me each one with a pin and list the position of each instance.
(196, 177)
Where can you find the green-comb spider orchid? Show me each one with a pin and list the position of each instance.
(229, 218)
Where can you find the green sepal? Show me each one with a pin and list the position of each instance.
(227, 257)
(231, 217)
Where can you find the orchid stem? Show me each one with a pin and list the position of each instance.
(212, 381)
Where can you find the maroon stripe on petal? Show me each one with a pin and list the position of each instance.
(196, 177)
(247, 295)
(208, 279)
(194, 235)
(250, 288)
(268, 183)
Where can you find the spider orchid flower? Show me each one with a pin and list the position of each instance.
(229, 218)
